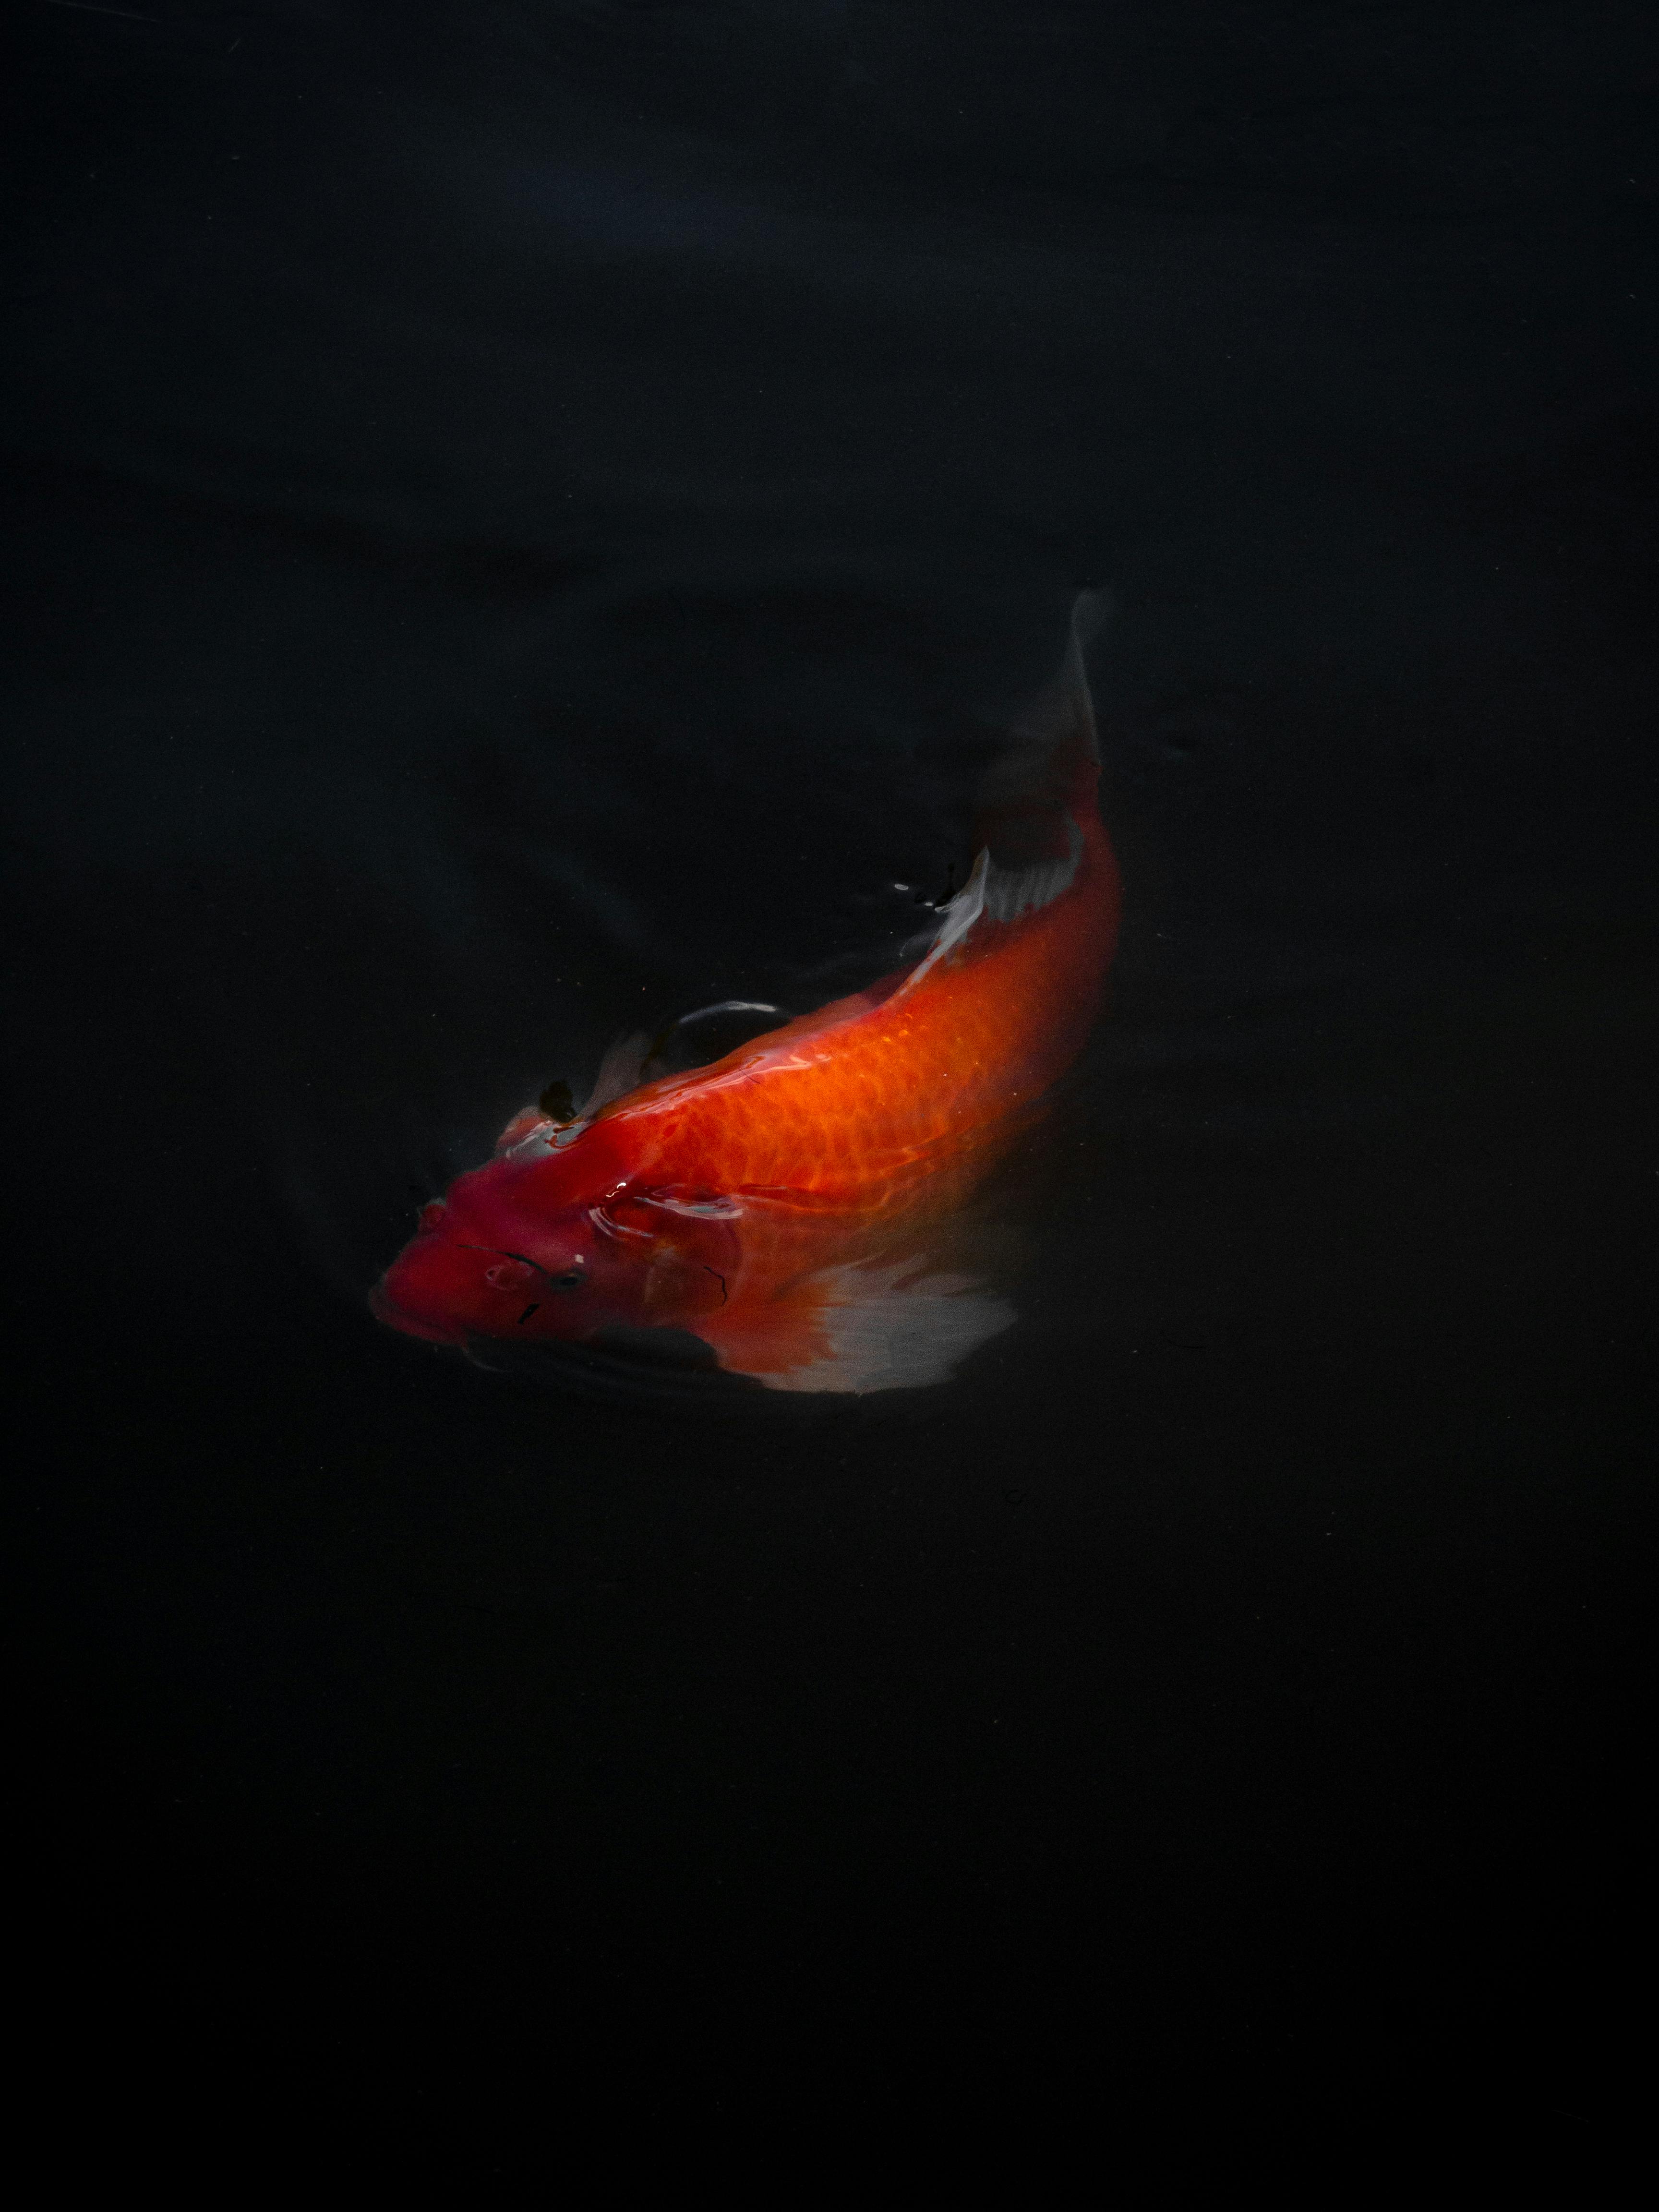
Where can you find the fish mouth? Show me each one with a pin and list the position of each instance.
(385, 1308)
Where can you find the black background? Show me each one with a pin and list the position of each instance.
(526, 518)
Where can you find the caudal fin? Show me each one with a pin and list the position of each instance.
(1055, 763)
(1034, 799)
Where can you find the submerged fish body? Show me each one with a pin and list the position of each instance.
(790, 1204)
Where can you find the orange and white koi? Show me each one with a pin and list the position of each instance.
(787, 1204)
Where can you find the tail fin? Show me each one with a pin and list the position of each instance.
(1050, 773)
(1033, 801)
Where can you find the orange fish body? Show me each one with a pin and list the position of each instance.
(786, 1204)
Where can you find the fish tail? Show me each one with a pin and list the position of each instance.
(1051, 773)
(1039, 809)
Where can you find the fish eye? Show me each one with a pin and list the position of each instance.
(570, 1281)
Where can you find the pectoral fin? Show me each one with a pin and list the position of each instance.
(620, 1072)
(858, 1328)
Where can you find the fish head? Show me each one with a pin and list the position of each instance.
(500, 1256)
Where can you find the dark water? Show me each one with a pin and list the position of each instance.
(527, 520)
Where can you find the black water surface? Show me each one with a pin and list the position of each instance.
(526, 520)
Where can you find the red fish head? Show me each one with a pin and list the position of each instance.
(495, 1258)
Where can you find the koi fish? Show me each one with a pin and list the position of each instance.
(789, 1204)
